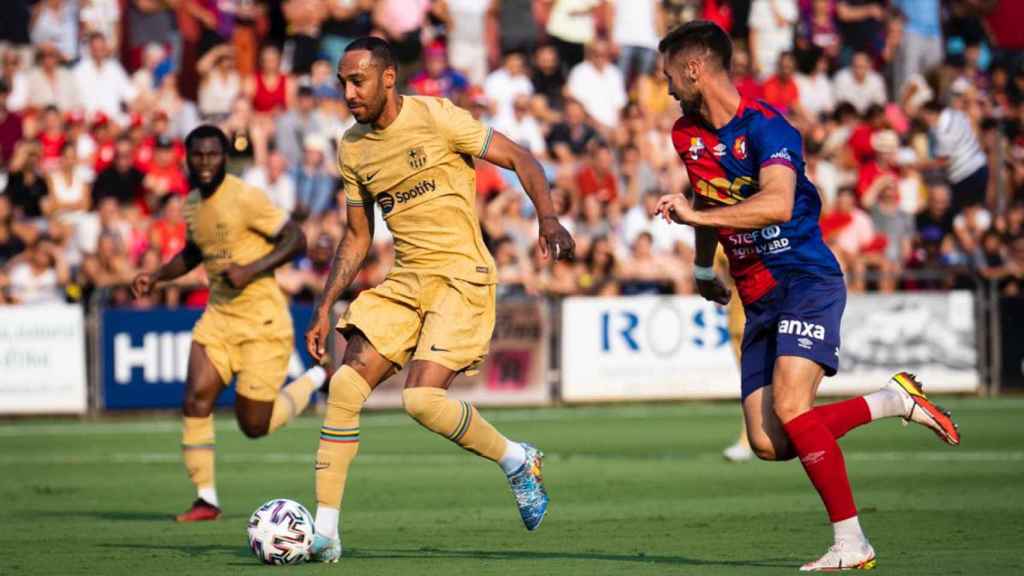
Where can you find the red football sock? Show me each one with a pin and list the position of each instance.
(823, 462)
(841, 417)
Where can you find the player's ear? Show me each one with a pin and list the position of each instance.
(390, 77)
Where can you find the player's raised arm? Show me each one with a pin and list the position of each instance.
(348, 259)
(182, 263)
(554, 238)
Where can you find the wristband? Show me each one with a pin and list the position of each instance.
(703, 272)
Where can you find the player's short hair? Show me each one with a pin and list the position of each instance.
(207, 131)
(702, 35)
(379, 50)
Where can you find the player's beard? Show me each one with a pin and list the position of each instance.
(218, 179)
(691, 106)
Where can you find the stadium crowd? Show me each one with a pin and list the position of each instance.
(912, 113)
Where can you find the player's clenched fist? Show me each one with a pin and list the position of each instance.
(714, 291)
(316, 336)
(142, 285)
(556, 240)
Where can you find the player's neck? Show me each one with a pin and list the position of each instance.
(390, 113)
(721, 102)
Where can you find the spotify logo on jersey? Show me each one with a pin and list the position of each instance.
(386, 201)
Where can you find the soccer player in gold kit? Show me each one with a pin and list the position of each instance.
(240, 237)
(412, 157)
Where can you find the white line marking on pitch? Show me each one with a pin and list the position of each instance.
(420, 458)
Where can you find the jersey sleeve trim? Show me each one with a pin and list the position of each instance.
(778, 162)
(487, 143)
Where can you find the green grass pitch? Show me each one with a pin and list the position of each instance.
(635, 490)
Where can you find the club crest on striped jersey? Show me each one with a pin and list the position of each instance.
(739, 148)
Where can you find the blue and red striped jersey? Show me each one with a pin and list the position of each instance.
(723, 167)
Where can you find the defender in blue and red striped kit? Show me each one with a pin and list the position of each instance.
(750, 195)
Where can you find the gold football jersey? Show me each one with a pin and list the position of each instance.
(236, 224)
(419, 171)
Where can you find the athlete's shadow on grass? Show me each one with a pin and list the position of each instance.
(380, 553)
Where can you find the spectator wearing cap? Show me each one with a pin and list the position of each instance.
(504, 84)
(49, 83)
(598, 85)
(102, 83)
(859, 84)
(437, 79)
(772, 24)
(10, 128)
(300, 121)
(921, 47)
(958, 151)
(314, 185)
(272, 176)
(121, 180)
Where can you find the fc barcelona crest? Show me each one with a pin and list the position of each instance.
(416, 157)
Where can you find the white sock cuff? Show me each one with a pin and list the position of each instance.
(327, 521)
(514, 457)
(209, 494)
(317, 374)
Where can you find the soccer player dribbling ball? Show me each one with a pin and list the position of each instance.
(240, 237)
(751, 195)
(412, 157)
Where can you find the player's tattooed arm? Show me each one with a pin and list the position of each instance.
(348, 259)
(554, 238)
(289, 243)
(182, 263)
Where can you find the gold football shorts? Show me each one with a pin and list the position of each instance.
(425, 317)
(257, 352)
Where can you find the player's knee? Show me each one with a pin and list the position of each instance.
(421, 403)
(253, 428)
(196, 406)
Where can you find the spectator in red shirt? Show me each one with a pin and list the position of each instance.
(745, 82)
(860, 140)
(103, 134)
(879, 171)
(52, 138)
(596, 176)
(165, 176)
(781, 90)
(10, 127)
(168, 232)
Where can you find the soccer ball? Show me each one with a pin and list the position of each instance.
(281, 532)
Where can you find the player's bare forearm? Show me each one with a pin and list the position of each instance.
(182, 263)
(511, 156)
(773, 204)
(349, 256)
(289, 243)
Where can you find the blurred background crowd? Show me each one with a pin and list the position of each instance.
(912, 113)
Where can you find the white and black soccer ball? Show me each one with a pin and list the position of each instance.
(281, 532)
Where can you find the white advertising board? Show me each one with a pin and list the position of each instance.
(42, 360)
